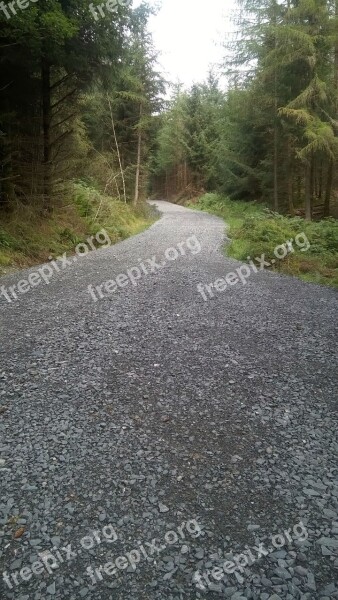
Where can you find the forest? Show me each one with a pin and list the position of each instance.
(272, 135)
(168, 311)
(87, 130)
(77, 99)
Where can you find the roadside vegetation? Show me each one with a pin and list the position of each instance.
(266, 148)
(272, 135)
(254, 230)
(86, 133)
(27, 237)
(77, 98)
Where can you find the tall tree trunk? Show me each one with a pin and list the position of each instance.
(331, 166)
(313, 182)
(320, 182)
(336, 63)
(275, 156)
(138, 164)
(275, 142)
(308, 191)
(7, 194)
(328, 190)
(117, 149)
(299, 189)
(46, 122)
(290, 179)
(166, 184)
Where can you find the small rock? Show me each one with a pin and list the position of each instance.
(329, 513)
(51, 589)
(236, 458)
(328, 542)
(253, 527)
(301, 571)
(56, 541)
(310, 492)
(19, 533)
(35, 542)
(283, 573)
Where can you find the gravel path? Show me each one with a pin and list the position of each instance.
(152, 413)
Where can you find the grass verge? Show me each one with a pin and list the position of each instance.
(27, 238)
(255, 230)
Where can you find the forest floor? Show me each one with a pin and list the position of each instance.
(29, 238)
(167, 430)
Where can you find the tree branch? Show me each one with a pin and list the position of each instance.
(58, 83)
(64, 98)
(65, 119)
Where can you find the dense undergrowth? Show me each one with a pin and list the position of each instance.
(27, 238)
(254, 230)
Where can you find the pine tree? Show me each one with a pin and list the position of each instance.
(49, 55)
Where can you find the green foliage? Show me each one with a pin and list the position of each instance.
(101, 211)
(187, 142)
(85, 198)
(76, 96)
(7, 240)
(255, 230)
(68, 237)
(60, 70)
(27, 238)
(324, 237)
(273, 136)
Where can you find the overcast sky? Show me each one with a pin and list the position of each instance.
(188, 34)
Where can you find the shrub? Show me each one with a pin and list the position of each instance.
(256, 230)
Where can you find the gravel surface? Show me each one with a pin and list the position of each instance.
(151, 413)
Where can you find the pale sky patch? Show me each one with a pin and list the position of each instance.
(189, 36)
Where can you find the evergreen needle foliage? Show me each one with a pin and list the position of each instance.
(273, 135)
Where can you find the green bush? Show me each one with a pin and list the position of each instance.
(85, 198)
(8, 241)
(255, 230)
(27, 238)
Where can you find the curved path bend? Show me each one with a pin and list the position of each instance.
(151, 413)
